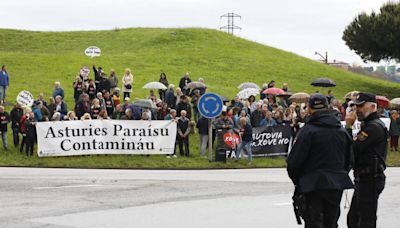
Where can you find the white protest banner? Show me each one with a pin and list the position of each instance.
(93, 51)
(67, 138)
(357, 125)
(25, 98)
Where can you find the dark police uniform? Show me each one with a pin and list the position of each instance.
(370, 149)
(318, 164)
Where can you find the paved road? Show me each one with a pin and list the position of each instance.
(154, 198)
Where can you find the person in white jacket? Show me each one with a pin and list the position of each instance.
(127, 81)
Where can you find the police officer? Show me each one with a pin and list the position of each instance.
(319, 162)
(370, 149)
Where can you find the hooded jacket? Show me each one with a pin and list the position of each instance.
(321, 156)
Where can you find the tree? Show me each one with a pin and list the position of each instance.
(376, 36)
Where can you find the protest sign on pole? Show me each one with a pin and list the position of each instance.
(25, 98)
(92, 51)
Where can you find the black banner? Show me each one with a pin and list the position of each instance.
(271, 141)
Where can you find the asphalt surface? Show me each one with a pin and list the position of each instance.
(32, 197)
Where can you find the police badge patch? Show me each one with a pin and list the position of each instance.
(362, 136)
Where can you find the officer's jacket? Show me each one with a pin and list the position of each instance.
(371, 143)
(321, 155)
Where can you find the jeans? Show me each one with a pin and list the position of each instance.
(4, 139)
(2, 93)
(203, 144)
(247, 147)
(15, 136)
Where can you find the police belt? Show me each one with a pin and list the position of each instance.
(366, 171)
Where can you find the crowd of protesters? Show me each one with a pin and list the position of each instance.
(101, 98)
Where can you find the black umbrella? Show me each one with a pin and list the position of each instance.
(144, 103)
(285, 94)
(323, 82)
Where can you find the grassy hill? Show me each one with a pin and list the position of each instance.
(36, 59)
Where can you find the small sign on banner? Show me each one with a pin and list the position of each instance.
(25, 98)
(93, 51)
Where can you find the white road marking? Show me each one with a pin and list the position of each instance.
(68, 186)
(282, 204)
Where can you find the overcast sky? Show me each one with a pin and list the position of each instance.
(299, 26)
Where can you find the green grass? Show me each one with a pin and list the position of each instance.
(35, 60)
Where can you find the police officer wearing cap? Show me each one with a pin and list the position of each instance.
(319, 163)
(370, 149)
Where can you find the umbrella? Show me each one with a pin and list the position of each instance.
(349, 94)
(299, 97)
(144, 103)
(273, 91)
(246, 85)
(246, 93)
(323, 82)
(195, 85)
(382, 101)
(154, 85)
(395, 102)
(223, 98)
(285, 94)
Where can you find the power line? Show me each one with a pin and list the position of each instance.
(231, 27)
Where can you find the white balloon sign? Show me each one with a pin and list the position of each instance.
(25, 98)
(93, 51)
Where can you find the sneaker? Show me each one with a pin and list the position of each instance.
(168, 156)
(174, 156)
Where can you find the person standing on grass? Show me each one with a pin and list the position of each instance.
(246, 133)
(183, 132)
(170, 97)
(172, 116)
(394, 131)
(79, 88)
(113, 81)
(97, 72)
(164, 81)
(127, 81)
(183, 83)
(30, 124)
(22, 127)
(202, 125)
(4, 83)
(15, 116)
(4, 120)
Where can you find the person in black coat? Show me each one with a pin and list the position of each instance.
(319, 162)
(15, 115)
(183, 134)
(30, 124)
(184, 105)
(202, 125)
(164, 81)
(83, 106)
(170, 97)
(370, 150)
(104, 83)
(4, 120)
(256, 116)
(97, 74)
(246, 133)
(183, 82)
